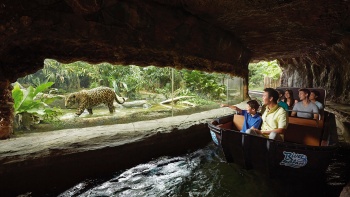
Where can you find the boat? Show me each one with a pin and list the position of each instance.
(306, 151)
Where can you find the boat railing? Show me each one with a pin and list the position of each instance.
(319, 114)
(222, 122)
(304, 121)
(304, 131)
(300, 130)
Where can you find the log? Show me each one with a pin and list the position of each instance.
(188, 103)
(175, 99)
(138, 103)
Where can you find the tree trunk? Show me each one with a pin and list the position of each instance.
(246, 88)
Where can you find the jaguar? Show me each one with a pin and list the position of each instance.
(86, 99)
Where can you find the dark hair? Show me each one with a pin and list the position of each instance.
(272, 93)
(306, 91)
(292, 100)
(254, 104)
(315, 92)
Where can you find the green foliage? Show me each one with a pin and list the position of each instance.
(131, 82)
(51, 114)
(200, 101)
(24, 100)
(124, 79)
(206, 84)
(128, 81)
(257, 72)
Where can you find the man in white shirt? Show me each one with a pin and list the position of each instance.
(275, 118)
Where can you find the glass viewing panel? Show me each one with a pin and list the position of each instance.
(151, 93)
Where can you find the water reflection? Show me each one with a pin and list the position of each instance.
(201, 173)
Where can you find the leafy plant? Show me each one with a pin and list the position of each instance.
(25, 100)
(206, 84)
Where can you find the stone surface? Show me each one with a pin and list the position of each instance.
(6, 110)
(342, 113)
(310, 39)
(346, 191)
(37, 145)
(64, 157)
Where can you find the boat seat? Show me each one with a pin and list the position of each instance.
(303, 131)
(305, 121)
(227, 125)
(238, 121)
(236, 124)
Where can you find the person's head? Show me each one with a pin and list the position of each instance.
(252, 106)
(288, 94)
(314, 95)
(270, 95)
(304, 94)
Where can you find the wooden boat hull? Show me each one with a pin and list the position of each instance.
(271, 157)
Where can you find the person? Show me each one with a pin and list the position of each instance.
(251, 116)
(314, 94)
(275, 118)
(289, 99)
(280, 102)
(305, 108)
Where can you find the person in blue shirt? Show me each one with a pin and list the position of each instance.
(313, 98)
(251, 115)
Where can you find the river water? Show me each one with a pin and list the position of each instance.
(205, 173)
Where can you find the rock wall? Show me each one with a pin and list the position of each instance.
(6, 110)
(304, 73)
(329, 69)
(56, 160)
(131, 32)
(220, 36)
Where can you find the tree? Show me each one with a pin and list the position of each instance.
(258, 71)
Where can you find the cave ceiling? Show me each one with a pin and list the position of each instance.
(220, 35)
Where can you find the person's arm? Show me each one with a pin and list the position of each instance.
(315, 109)
(294, 113)
(258, 131)
(279, 130)
(236, 108)
(232, 107)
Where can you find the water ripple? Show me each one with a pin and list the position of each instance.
(204, 173)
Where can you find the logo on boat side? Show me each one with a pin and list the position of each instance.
(294, 160)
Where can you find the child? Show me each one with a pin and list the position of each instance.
(251, 116)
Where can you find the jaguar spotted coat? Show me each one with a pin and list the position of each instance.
(86, 99)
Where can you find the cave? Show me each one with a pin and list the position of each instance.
(310, 40)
